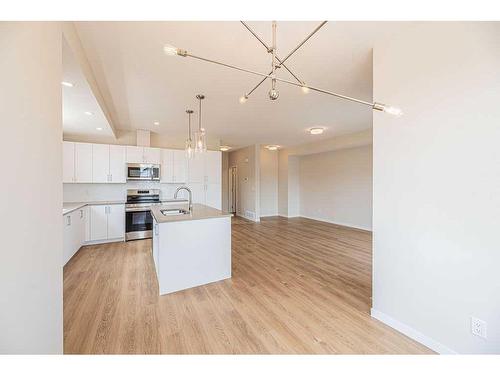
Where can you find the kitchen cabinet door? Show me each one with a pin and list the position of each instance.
(100, 163)
(213, 167)
(116, 221)
(68, 162)
(198, 192)
(67, 238)
(180, 166)
(81, 221)
(213, 194)
(98, 222)
(167, 162)
(83, 162)
(135, 154)
(196, 169)
(152, 155)
(117, 167)
(156, 245)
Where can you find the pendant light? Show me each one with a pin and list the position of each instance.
(276, 63)
(200, 135)
(189, 142)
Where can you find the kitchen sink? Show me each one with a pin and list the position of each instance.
(174, 211)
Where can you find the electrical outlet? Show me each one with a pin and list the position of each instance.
(478, 327)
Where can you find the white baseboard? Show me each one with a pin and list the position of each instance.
(337, 223)
(269, 215)
(411, 333)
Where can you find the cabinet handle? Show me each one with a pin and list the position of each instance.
(81, 214)
(68, 220)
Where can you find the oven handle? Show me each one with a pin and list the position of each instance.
(138, 209)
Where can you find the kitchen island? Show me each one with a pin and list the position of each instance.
(190, 247)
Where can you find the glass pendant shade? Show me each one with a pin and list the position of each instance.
(189, 149)
(189, 143)
(200, 139)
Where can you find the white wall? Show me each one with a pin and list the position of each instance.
(336, 186)
(268, 182)
(248, 179)
(31, 221)
(436, 183)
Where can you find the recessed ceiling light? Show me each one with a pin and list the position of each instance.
(243, 99)
(67, 84)
(315, 131)
(156, 122)
(305, 89)
(88, 113)
(98, 129)
(224, 148)
(272, 147)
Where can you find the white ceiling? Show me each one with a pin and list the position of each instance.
(79, 99)
(142, 85)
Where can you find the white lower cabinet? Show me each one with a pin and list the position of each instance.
(156, 245)
(107, 222)
(73, 233)
(116, 221)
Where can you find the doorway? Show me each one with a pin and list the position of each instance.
(233, 189)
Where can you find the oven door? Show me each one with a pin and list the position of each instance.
(138, 225)
(139, 172)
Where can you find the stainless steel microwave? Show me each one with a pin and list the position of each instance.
(143, 172)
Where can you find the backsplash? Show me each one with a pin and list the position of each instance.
(105, 192)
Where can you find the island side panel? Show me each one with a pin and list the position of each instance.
(193, 253)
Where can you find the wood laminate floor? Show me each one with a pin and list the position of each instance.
(298, 286)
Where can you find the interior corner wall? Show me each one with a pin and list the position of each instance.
(293, 186)
(31, 267)
(268, 182)
(283, 183)
(336, 187)
(245, 161)
(436, 182)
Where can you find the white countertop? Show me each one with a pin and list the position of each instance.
(72, 206)
(198, 212)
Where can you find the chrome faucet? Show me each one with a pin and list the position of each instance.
(190, 195)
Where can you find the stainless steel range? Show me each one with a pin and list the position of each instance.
(138, 219)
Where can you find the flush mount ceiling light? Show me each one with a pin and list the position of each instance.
(315, 131)
(277, 63)
(272, 147)
(156, 123)
(98, 129)
(88, 113)
(224, 148)
(67, 84)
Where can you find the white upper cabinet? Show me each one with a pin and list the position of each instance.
(174, 166)
(100, 163)
(180, 163)
(197, 169)
(205, 175)
(117, 168)
(213, 167)
(213, 196)
(152, 155)
(148, 155)
(135, 154)
(83, 162)
(68, 162)
(167, 163)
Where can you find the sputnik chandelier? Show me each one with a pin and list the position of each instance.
(277, 63)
